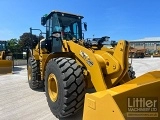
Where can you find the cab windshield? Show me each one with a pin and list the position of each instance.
(69, 26)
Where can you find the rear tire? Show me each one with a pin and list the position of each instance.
(70, 86)
(34, 83)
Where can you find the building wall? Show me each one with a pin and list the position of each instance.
(151, 45)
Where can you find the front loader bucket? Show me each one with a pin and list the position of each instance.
(138, 99)
(6, 66)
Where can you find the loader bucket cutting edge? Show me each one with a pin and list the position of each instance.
(125, 102)
(6, 66)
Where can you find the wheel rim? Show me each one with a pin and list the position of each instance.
(29, 72)
(52, 87)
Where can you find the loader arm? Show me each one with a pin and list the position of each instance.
(105, 70)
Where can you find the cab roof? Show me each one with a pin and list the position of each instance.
(65, 13)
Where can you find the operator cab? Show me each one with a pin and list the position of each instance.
(3, 45)
(61, 26)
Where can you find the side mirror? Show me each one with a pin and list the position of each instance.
(85, 26)
(43, 21)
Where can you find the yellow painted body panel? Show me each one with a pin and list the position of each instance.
(107, 69)
(109, 50)
(100, 105)
(6, 66)
(2, 53)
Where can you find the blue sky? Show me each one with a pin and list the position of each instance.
(119, 19)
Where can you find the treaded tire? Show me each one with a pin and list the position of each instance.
(34, 83)
(71, 86)
(131, 72)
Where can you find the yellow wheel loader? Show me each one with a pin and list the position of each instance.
(6, 62)
(67, 66)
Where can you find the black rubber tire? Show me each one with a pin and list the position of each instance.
(34, 83)
(71, 86)
(131, 72)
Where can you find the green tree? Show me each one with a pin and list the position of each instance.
(13, 45)
(25, 40)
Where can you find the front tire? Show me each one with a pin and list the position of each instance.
(32, 67)
(64, 86)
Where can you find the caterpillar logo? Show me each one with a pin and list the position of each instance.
(86, 58)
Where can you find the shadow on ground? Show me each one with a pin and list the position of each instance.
(17, 68)
(77, 116)
(38, 90)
